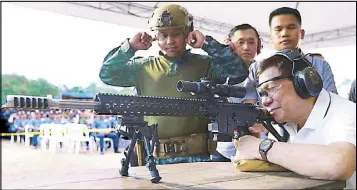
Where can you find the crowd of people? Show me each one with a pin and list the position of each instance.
(16, 120)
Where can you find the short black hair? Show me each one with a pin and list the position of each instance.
(242, 27)
(285, 11)
(283, 64)
(315, 54)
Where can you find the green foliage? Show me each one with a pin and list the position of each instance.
(16, 84)
(94, 88)
(127, 91)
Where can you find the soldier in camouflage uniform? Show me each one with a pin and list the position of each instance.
(242, 40)
(157, 76)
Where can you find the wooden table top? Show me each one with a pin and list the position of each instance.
(203, 175)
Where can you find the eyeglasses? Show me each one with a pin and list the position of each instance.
(294, 57)
(273, 87)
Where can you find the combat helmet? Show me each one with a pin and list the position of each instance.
(170, 16)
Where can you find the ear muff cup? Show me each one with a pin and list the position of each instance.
(259, 46)
(307, 83)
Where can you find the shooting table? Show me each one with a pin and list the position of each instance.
(209, 175)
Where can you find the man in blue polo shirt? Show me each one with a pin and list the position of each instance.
(101, 122)
(286, 33)
(20, 123)
(35, 123)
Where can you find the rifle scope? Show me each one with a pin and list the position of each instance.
(223, 90)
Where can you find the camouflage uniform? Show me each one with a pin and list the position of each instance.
(158, 76)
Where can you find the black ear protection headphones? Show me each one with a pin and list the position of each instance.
(306, 80)
(259, 46)
(190, 20)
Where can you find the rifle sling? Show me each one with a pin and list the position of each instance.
(194, 144)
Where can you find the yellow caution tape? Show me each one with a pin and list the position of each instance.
(39, 133)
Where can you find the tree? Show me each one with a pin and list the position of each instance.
(19, 85)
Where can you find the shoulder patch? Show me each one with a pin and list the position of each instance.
(144, 60)
(138, 59)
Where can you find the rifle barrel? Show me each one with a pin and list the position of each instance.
(34, 102)
(117, 104)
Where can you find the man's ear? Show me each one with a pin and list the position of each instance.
(270, 39)
(302, 34)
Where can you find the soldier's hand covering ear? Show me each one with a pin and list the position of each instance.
(196, 39)
(227, 41)
(141, 41)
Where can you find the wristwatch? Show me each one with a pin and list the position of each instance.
(264, 147)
